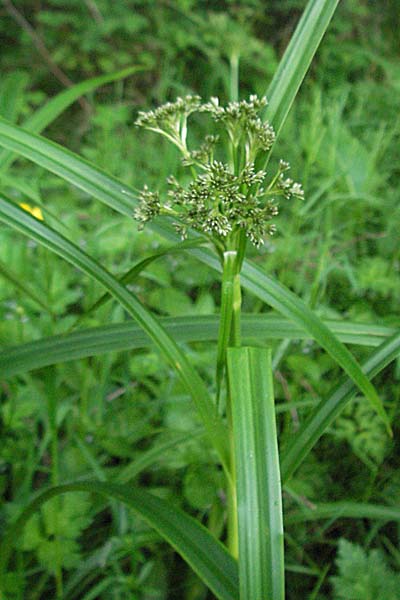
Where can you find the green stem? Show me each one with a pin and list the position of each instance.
(234, 80)
(226, 315)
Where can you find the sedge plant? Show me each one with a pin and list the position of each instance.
(231, 202)
(226, 199)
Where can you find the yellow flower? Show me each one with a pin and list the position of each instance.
(33, 210)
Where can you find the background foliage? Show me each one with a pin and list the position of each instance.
(338, 249)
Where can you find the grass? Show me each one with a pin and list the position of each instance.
(99, 417)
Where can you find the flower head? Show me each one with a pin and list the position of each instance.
(223, 196)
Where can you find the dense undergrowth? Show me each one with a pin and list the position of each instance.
(124, 416)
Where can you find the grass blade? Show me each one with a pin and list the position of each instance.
(20, 220)
(296, 60)
(326, 411)
(290, 305)
(200, 328)
(135, 271)
(205, 555)
(56, 106)
(346, 510)
(259, 498)
(68, 166)
(154, 454)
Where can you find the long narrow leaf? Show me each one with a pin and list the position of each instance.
(20, 220)
(135, 271)
(290, 305)
(297, 58)
(45, 115)
(259, 497)
(226, 315)
(346, 510)
(327, 410)
(205, 555)
(200, 328)
(68, 166)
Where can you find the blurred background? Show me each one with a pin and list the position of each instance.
(338, 249)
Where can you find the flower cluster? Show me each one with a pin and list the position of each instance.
(223, 197)
(243, 124)
(170, 119)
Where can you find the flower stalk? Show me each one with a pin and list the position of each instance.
(229, 202)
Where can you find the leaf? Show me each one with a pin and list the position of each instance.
(296, 60)
(22, 221)
(226, 315)
(154, 454)
(327, 410)
(69, 166)
(55, 106)
(135, 271)
(259, 497)
(127, 336)
(364, 575)
(345, 510)
(290, 305)
(205, 555)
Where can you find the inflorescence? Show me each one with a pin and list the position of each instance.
(223, 197)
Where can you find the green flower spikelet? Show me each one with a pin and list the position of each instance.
(222, 198)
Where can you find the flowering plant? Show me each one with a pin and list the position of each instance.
(227, 199)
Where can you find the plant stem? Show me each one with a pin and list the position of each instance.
(230, 335)
(234, 80)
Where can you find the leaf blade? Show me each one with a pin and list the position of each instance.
(45, 115)
(259, 497)
(296, 60)
(22, 221)
(205, 555)
(288, 304)
(326, 411)
(128, 336)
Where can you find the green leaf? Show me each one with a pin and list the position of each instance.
(259, 498)
(290, 305)
(154, 454)
(226, 314)
(55, 106)
(296, 60)
(135, 271)
(205, 555)
(327, 410)
(345, 510)
(69, 166)
(128, 336)
(20, 220)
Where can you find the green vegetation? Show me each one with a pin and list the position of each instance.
(191, 407)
